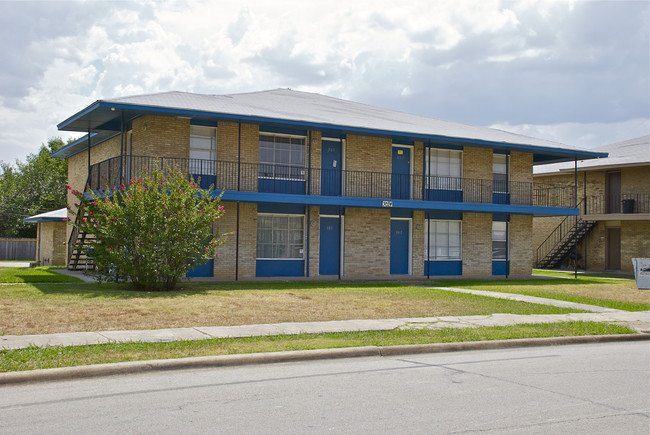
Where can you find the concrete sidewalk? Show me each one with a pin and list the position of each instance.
(639, 320)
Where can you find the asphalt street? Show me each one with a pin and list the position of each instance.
(591, 388)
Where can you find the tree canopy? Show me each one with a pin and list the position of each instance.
(31, 187)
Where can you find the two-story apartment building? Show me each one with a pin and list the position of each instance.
(315, 186)
(614, 203)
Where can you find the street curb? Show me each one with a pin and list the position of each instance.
(63, 373)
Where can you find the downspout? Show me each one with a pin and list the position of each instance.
(339, 244)
(88, 176)
(238, 188)
(575, 195)
(584, 201)
(308, 207)
(121, 148)
(428, 245)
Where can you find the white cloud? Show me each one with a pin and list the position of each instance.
(588, 135)
(559, 66)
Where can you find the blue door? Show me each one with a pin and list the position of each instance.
(330, 163)
(401, 176)
(399, 247)
(329, 246)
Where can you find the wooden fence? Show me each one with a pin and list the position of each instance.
(17, 249)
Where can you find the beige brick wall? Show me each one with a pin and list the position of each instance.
(373, 154)
(521, 174)
(595, 245)
(520, 255)
(417, 238)
(477, 164)
(367, 242)
(227, 141)
(224, 264)
(636, 180)
(316, 145)
(635, 242)
(52, 243)
(314, 240)
(521, 167)
(161, 136)
(418, 158)
(477, 244)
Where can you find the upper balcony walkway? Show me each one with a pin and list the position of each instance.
(259, 182)
(624, 206)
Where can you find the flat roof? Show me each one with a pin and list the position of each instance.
(631, 152)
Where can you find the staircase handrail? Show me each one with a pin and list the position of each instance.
(538, 257)
(72, 241)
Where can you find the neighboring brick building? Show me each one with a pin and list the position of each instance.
(318, 186)
(50, 237)
(615, 207)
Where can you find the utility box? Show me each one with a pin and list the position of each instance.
(642, 272)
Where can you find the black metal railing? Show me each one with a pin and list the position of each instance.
(260, 177)
(559, 234)
(619, 203)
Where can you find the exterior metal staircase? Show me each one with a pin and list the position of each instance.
(561, 242)
(79, 245)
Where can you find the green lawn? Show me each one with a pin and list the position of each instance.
(50, 357)
(571, 274)
(33, 275)
(620, 294)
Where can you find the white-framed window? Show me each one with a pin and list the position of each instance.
(282, 156)
(280, 236)
(500, 173)
(499, 240)
(444, 169)
(203, 150)
(444, 242)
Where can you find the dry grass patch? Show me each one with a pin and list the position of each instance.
(50, 308)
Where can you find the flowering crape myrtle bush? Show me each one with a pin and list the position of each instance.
(151, 232)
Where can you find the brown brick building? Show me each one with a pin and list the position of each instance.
(614, 196)
(318, 186)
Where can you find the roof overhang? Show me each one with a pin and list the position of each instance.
(60, 215)
(105, 119)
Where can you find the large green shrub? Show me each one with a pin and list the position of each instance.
(151, 232)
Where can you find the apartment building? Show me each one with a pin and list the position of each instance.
(614, 222)
(315, 186)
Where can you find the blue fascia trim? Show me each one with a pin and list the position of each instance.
(39, 220)
(344, 201)
(325, 126)
(81, 145)
(78, 115)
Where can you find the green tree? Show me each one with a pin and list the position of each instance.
(153, 231)
(32, 187)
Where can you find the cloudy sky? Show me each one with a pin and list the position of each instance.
(576, 72)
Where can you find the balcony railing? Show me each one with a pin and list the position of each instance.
(259, 177)
(620, 203)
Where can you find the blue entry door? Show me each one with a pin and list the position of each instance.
(399, 247)
(401, 175)
(330, 239)
(330, 164)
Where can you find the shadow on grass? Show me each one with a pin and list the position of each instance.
(128, 291)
